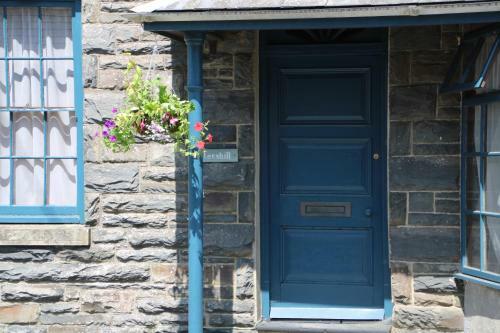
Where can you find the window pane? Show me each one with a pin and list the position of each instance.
(473, 129)
(28, 134)
(2, 49)
(24, 81)
(4, 134)
(492, 78)
(3, 87)
(61, 134)
(22, 31)
(473, 241)
(492, 184)
(472, 183)
(493, 127)
(4, 182)
(56, 30)
(59, 83)
(28, 182)
(492, 244)
(61, 182)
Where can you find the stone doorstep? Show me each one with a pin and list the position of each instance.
(44, 235)
(324, 326)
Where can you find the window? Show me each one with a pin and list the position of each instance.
(41, 167)
(476, 72)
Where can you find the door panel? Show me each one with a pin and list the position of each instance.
(325, 125)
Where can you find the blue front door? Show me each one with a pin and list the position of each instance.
(326, 165)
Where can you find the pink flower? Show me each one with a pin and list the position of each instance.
(97, 134)
(173, 121)
(210, 138)
(198, 126)
(142, 125)
(200, 145)
(112, 138)
(114, 110)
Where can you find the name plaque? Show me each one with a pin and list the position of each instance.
(220, 156)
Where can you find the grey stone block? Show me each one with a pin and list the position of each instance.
(142, 203)
(86, 255)
(434, 284)
(413, 103)
(428, 219)
(231, 320)
(164, 238)
(399, 63)
(397, 208)
(21, 255)
(431, 244)
(411, 38)
(111, 178)
(448, 206)
(27, 293)
(243, 70)
(244, 279)
(400, 135)
(421, 201)
(100, 39)
(246, 140)
(439, 318)
(229, 239)
(436, 131)
(220, 202)
(60, 308)
(436, 149)
(161, 305)
(229, 107)
(246, 207)
(421, 173)
(137, 220)
(156, 255)
(223, 133)
(107, 236)
(229, 176)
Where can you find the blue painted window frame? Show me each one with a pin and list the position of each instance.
(53, 214)
(481, 101)
(475, 41)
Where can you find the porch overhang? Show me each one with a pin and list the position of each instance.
(173, 17)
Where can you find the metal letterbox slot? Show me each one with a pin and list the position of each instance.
(326, 209)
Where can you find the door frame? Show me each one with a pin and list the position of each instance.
(264, 163)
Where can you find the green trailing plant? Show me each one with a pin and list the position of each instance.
(152, 111)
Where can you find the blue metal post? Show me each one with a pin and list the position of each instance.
(194, 42)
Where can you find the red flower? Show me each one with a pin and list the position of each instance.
(198, 126)
(200, 145)
(210, 138)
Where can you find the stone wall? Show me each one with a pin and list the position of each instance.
(424, 180)
(132, 277)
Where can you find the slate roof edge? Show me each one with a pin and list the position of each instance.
(316, 13)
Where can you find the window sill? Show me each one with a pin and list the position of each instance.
(322, 326)
(44, 235)
(477, 280)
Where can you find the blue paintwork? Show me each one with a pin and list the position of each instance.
(347, 22)
(480, 281)
(478, 275)
(322, 119)
(194, 42)
(45, 213)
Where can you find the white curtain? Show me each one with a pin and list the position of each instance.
(25, 95)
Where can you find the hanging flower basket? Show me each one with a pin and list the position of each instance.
(154, 113)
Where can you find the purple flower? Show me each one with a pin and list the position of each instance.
(109, 124)
(114, 110)
(105, 133)
(112, 138)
